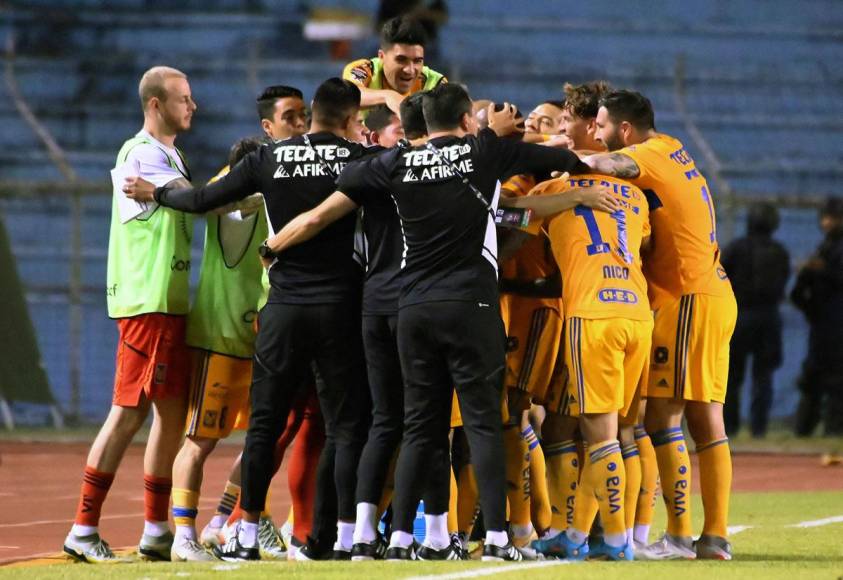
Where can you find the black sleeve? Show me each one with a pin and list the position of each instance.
(361, 180)
(240, 182)
(513, 157)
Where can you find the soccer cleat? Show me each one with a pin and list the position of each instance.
(508, 553)
(668, 548)
(270, 543)
(366, 551)
(293, 548)
(397, 553)
(310, 552)
(91, 549)
(452, 551)
(188, 550)
(603, 551)
(713, 548)
(156, 548)
(461, 539)
(340, 554)
(234, 551)
(561, 546)
(211, 536)
(286, 532)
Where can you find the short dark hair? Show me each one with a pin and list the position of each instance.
(243, 147)
(554, 103)
(412, 116)
(629, 106)
(402, 30)
(584, 100)
(334, 101)
(444, 107)
(270, 95)
(762, 218)
(379, 117)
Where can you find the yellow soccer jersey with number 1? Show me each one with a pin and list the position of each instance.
(599, 253)
(685, 258)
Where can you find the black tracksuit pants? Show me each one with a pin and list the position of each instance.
(446, 345)
(290, 336)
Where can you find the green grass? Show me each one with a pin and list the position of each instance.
(768, 550)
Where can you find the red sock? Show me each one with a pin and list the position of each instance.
(95, 486)
(301, 471)
(235, 515)
(156, 498)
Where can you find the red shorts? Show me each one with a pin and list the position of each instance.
(152, 358)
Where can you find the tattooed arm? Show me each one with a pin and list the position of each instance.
(614, 164)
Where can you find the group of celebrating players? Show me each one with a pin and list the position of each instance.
(425, 285)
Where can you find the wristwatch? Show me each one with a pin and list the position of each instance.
(265, 252)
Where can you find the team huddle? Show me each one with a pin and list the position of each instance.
(402, 287)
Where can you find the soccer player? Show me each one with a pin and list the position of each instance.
(398, 70)
(695, 314)
(312, 312)
(147, 295)
(220, 330)
(608, 329)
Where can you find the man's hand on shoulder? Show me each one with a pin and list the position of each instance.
(614, 164)
(393, 100)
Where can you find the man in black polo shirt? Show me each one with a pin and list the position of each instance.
(313, 310)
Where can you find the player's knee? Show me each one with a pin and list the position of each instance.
(199, 447)
(126, 421)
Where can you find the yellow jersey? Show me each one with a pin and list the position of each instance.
(368, 73)
(599, 253)
(685, 257)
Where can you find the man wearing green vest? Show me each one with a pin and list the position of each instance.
(398, 71)
(147, 295)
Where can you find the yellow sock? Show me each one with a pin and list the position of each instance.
(540, 512)
(228, 500)
(632, 466)
(452, 505)
(675, 474)
(467, 495)
(290, 516)
(607, 475)
(649, 478)
(562, 473)
(185, 504)
(585, 502)
(517, 480)
(267, 511)
(715, 485)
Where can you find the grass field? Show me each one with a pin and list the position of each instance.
(767, 548)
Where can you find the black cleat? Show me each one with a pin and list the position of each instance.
(311, 551)
(365, 551)
(234, 551)
(341, 555)
(508, 553)
(453, 551)
(396, 553)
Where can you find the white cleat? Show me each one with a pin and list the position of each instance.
(211, 536)
(187, 550)
(272, 547)
(668, 548)
(91, 549)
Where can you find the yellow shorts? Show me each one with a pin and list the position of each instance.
(556, 400)
(219, 394)
(606, 359)
(690, 358)
(534, 333)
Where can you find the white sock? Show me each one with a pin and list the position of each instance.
(218, 520)
(641, 533)
(156, 529)
(80, 530)
(576, 536)
(185, 533)
(615, 540)
(436, 531)
(248, 534)
(400, 540)
(364, 528)
(499, 539)
(345, 535)
(629, 536)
